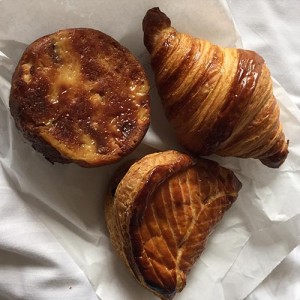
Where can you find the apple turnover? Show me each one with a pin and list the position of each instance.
(160, 212)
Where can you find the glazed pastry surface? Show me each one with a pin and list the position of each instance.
(160, 213)
(218, 100)
(79, 96)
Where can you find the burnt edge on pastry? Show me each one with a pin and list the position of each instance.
(79, 96)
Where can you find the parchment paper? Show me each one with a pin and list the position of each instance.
(258, 232)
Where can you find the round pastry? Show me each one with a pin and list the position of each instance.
(79, 96)
(160, 212)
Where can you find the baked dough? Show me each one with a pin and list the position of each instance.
(218, 100)
(79, 96)
(160, 213)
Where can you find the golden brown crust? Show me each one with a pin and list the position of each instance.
(160, 213)
(219, 100)
(79, 96)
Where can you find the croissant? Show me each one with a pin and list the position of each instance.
(218, 100)
(160, 213)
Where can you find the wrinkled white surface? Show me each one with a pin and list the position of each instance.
(52, 231)
(273, 28)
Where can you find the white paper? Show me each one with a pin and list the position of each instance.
(258, 232)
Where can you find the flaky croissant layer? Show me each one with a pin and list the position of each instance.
(161, 212)
(218, 100)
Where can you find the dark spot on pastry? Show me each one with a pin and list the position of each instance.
(53, 53)
(127, 127)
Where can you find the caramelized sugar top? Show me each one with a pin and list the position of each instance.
(83, 93)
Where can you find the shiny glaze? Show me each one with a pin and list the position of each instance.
(172, 217)
(187, 104)
(218, 100)
(242, 88)
(82, 89)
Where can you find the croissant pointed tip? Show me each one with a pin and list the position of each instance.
(277, 159)
(272, 163)
(154, 21)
